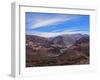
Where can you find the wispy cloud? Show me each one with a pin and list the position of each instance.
(40, 22)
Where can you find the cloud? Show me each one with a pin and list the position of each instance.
(54, 34)
(40, 22)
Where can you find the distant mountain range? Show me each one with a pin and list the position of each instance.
(65, 40)
(55, 49)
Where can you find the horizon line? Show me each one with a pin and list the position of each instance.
(59, 34)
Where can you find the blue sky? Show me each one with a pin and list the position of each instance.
(52, 24)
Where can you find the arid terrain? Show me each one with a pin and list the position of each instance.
(69, 49)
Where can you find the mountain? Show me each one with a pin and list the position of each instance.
(82, 45)
(84, 39)
(32, 39)
(67, 40)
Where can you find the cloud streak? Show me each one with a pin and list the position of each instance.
(50, 21)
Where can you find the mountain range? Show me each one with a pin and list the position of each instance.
(66, 49)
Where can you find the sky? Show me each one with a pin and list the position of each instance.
(54, 24)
